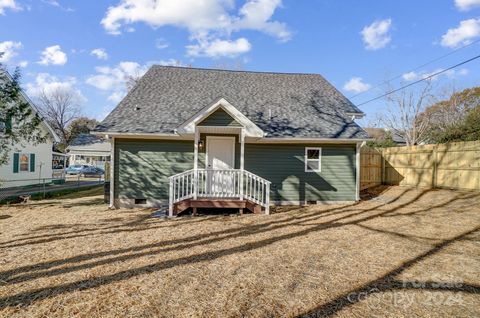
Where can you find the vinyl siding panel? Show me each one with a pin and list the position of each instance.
(219, 118)
(142, 167)
(284, 166)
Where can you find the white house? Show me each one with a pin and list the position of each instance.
(89, 149)
(28, 163)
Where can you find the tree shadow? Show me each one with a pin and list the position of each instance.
(347, 216)
(388, 282)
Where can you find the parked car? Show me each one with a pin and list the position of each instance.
(76, 169)
(91, 171)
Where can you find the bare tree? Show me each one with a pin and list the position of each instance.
(404, 115)
(60, 107)
(236, 65)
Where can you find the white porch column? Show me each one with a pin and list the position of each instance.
(195, 163)
(242, 160)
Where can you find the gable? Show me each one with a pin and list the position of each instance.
(219, 118)
(223, 112)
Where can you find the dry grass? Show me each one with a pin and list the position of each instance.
(403, 253)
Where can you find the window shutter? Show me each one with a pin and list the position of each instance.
(8, 124)
(16, 162)
(32, 162)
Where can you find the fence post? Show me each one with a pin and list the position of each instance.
(78, 181)
(435, 163)
(382, 171)
(44, 188)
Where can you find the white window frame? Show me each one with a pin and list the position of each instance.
(319, 160)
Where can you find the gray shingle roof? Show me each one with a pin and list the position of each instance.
(301, 105)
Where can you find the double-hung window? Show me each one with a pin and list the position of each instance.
(24, 162)
(313, 159)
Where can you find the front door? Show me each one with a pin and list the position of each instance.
(220, 157)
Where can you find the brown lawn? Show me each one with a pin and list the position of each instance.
(403, 253)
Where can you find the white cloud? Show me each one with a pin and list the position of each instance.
(465, 5)
(23, 64)
(113, 80)
(208, 21)
(463, 34)
(161, 44)
(53, 55)
(414, 76)
(219, 48)
(376, 35)
(55, 3)
(8, 48)
(101, 54)
(356, 85)
(47, 83)
(256, 14)
(170, 62)
(8, 4)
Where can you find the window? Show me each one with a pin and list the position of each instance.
(313, 159)
(24, 162)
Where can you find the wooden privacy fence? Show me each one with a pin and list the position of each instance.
(454, 165)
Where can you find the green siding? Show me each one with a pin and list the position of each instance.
(142, 167)
(284, 166)
(219, 118)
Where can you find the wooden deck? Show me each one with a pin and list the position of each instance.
(217, 204)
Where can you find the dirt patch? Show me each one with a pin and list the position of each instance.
(403, 252)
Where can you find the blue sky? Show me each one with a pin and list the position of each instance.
(89, 47)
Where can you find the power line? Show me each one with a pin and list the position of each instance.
(420, 80)
(415, 69)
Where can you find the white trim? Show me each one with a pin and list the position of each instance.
(357, 172)
(248, 140)
(292, 140)
(319, 160)
(112, 174)
(355, 115)
(251, 129)
(220, 137)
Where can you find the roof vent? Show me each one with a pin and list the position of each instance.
(136, 107)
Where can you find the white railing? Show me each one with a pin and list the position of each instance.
(219, 184)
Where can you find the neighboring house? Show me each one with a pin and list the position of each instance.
(187, 137)
(89, 149)
(381, 134)
(28, 163)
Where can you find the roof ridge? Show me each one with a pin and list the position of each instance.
(234, 71)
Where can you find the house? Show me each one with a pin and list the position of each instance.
(29, 163)
(191, 138)
(382, 134)
(89, 149)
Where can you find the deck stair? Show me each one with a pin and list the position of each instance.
(208, 188)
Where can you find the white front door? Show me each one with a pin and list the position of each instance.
(220, 156)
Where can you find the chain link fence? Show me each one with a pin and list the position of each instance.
(21, 190)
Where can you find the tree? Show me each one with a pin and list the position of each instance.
(404, 114)
(81, 125)
(467, 130)
(60, 107)
(19, 123)
(447, 115)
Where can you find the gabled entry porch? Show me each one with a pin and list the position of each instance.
(219, 180)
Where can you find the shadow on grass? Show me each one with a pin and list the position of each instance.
(388, 282)
(344, 216)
